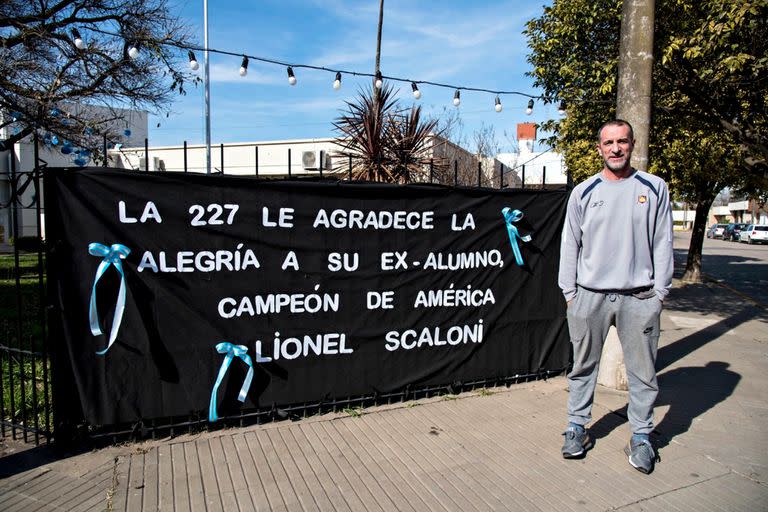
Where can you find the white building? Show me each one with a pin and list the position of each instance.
(536, 168)
(21, 161)
(294, 158)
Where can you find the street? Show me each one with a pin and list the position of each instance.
(742, 267)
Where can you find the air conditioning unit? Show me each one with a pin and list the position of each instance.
(156, 164)
(314, 159)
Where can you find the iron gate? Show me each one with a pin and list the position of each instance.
(25, 393)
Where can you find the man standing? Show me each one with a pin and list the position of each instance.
(616, 269)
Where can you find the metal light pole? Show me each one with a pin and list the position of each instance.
(207, 81)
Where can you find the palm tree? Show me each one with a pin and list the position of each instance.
(385, 142)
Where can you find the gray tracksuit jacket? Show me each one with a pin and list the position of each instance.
(617, 236)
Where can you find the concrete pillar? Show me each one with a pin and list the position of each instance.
(612, 372)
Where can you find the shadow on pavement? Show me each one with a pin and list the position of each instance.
(747, 274)
(689, 391)
(713, 299)
(26, 458)
(673, 352)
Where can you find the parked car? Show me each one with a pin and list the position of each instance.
(732, 232)
(754, 234)
(716, 230)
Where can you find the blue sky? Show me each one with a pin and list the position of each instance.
(475, 44)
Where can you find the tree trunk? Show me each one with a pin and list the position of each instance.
(692, 272)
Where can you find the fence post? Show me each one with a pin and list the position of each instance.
(15, 233)
(479, 172)
(289, 163)
(523, 184)
(256, 160)
(185, 156)
(431, 169)
(105, 151)
(501, 176)
(321, 164)
(544, 176)
(455, 173)
(40, 291)
(350, 167)
(222, 157)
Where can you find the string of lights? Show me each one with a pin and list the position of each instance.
(338, 73)
(134, 52)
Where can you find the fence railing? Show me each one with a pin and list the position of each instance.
(266, 161)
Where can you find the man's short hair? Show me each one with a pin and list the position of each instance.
(616, 122)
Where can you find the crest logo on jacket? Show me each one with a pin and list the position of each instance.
(642, 199)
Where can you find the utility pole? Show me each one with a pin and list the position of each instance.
(633, 104)
(378, 39)
(376, 95)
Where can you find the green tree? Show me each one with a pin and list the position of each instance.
(710, 86)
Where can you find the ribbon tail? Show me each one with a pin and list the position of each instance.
(212, 415)
(515, 249)
(93, 314)
(246, 382)
(119, 309)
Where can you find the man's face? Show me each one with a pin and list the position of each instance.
(616, 147)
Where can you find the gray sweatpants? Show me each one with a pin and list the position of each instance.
(637, 323)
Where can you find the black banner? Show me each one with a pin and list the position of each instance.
(336, 289)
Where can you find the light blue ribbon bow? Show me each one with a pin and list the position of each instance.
(510, 217)
(231, 352)
(111, 256)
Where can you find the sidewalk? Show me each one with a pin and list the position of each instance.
(497, 449)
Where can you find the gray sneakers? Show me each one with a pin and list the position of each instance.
(641, 455)
(577, 442)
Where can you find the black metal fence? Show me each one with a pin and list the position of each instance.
(447, 170)
(25, 393)
(27, 399)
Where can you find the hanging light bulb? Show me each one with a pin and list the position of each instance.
(561, 108)
(79, 44)
(133, 51)
(291, 76)
(337, 82)
(498, 107)
(379, 80)
(193, 61)
(416, 91)
(244, 66)
(529, 110)
(457, 98)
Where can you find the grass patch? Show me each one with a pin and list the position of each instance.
(15, 367)
(354, 412)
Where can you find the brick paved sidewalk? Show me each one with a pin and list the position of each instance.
(493, 450)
